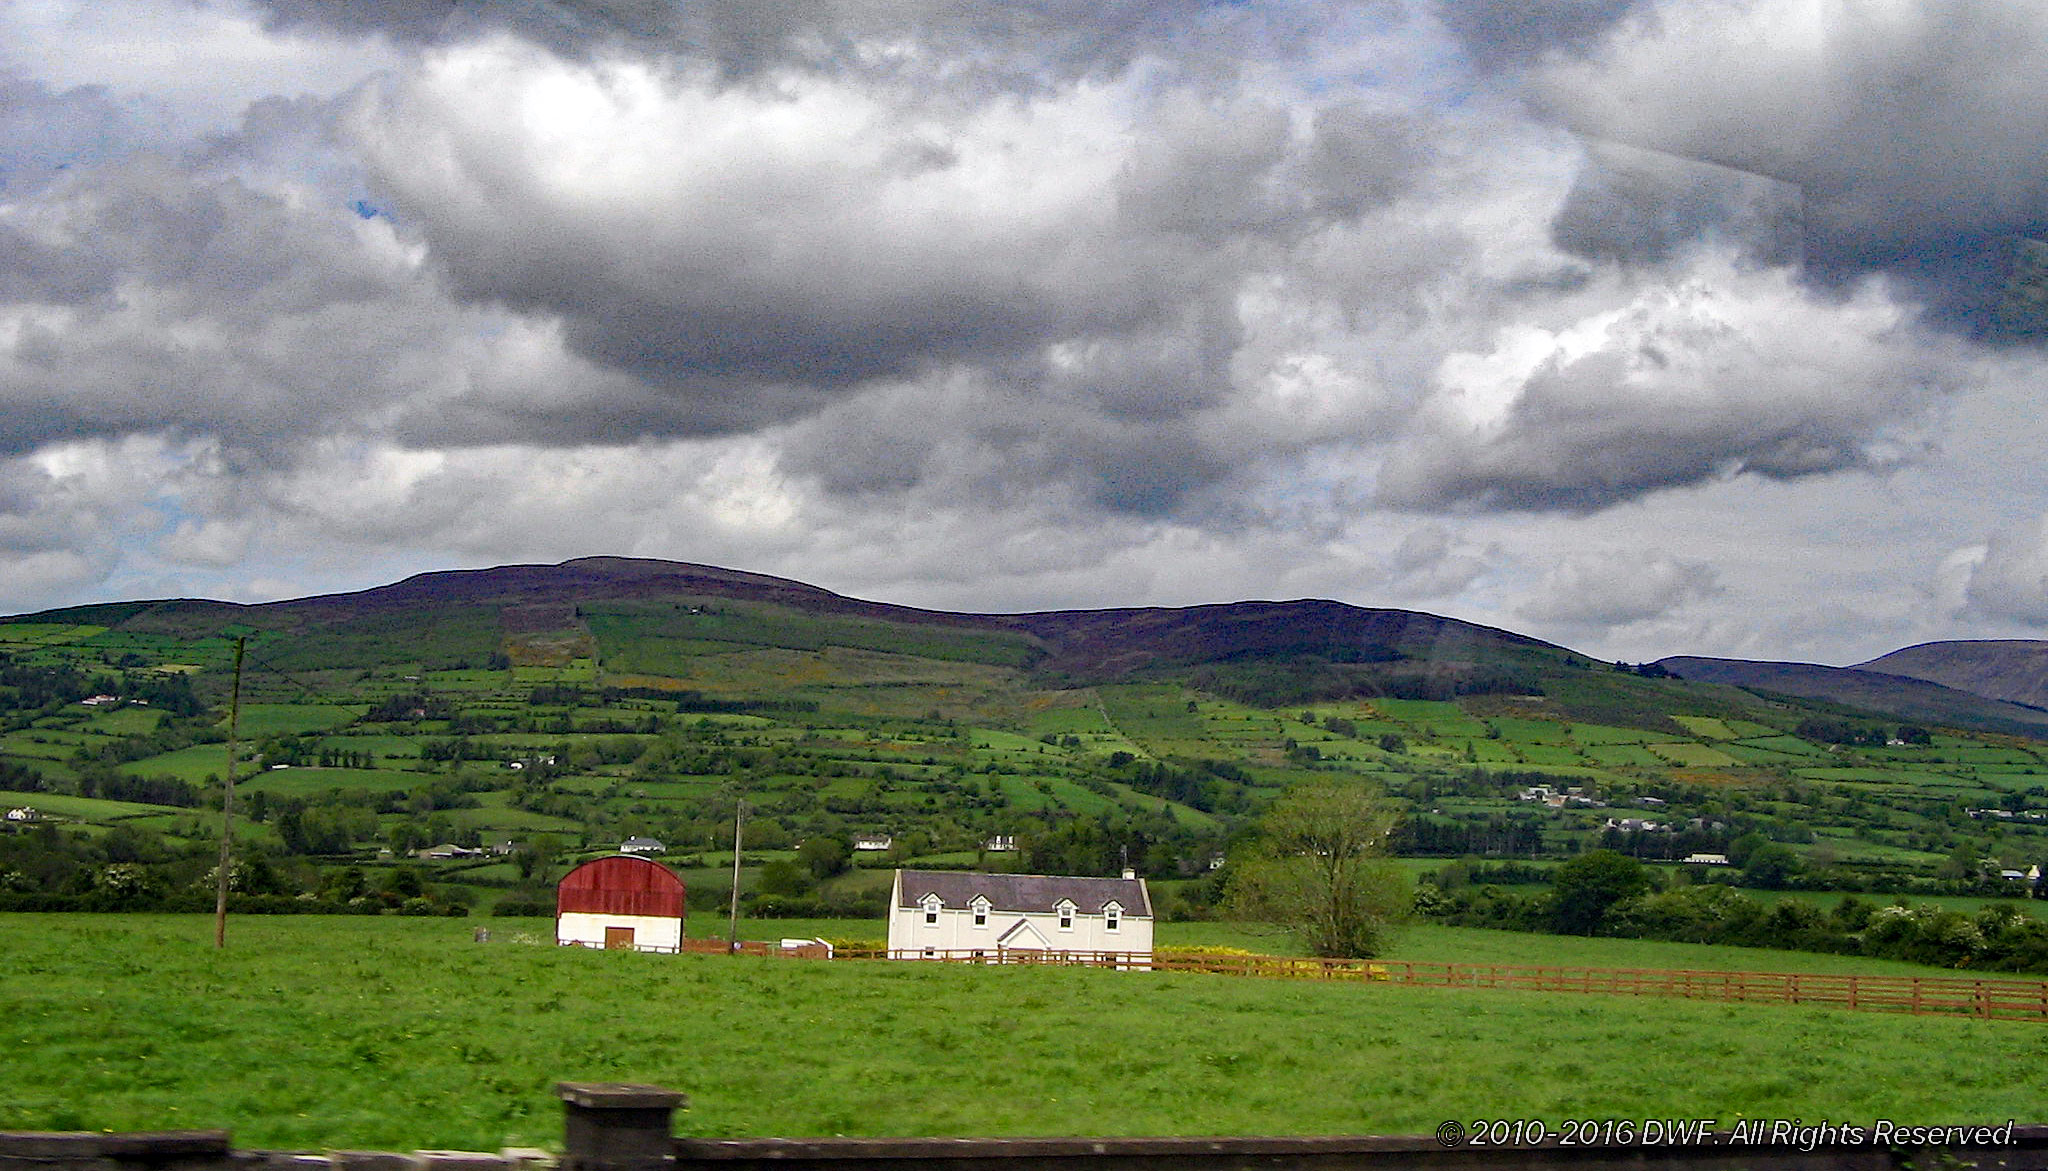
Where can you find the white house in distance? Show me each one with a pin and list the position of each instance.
(937, 913)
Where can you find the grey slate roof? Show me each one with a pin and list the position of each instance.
(1025, 892)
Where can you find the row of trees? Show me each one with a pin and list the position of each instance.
(1605, 893)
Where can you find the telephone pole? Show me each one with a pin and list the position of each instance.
(227, 804)
(732, 934)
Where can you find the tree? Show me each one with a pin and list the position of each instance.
(1770, 865)
(1319, 868)
(1584, 889)
(825, 855)
(782, 877)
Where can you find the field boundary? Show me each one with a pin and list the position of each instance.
(1980, 997)
(629, 1127)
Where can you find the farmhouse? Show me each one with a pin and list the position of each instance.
(621, 901)
(873, 842)
(637, 845)
(934, 913)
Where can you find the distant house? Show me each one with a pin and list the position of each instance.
(1000, 843)
(938, 913)
(642, 846)
(446, 850)
(1707, 859)
(620, 902)
(873, 841)
(25, 813)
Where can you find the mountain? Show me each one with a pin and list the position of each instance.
(605, 698)
(1901, 696)
(2014, 670)
(1325, 648)
(642, 622)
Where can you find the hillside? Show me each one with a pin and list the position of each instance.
(2014, 670)
(554, 710)
(1875, 691)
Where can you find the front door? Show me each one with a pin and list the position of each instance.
(618, 937)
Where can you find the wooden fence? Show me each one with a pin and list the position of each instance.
(1985, 998)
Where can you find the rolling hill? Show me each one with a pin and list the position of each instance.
(606, 696)
(2014, 670)
(1896, 695)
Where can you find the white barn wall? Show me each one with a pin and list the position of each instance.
(650, 932)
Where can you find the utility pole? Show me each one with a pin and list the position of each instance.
(732, 934)
(227, 804)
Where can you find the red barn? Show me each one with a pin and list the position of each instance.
(621, 901)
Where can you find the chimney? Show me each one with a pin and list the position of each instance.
(1130, 873)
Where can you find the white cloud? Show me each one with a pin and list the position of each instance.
(1726, 371)
(2007, 577)
(1618, 587)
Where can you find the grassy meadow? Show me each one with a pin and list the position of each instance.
(404, 1033)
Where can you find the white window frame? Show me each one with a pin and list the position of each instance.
(1065, 910)
(931, 910)
(1112, 918)
(981, 906)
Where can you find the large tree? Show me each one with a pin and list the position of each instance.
(1584, 889)
(1319, 868)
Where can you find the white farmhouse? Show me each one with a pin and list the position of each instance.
(938, 913)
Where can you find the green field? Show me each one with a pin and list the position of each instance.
(82, 808)
(403, 1033)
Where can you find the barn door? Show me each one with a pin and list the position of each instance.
(618, 937)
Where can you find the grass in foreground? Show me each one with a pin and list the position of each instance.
(403, 1033)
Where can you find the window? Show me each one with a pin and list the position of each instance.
(932, 903)
(981, 914)
(931, 915)
(1066, 910)
(1111, 918)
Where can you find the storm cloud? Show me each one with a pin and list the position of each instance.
(1037, 304)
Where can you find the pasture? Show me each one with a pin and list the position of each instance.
(404, 1033)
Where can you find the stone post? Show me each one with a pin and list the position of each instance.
(612, 1126)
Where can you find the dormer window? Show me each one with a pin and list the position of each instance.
(980, 911)
(932, 903)
(1065, 908)
(1112, 917)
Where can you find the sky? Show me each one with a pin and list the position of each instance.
(1646, 327)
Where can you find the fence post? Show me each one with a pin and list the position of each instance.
(614, 1126)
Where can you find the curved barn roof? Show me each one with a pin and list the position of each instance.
(621, 885)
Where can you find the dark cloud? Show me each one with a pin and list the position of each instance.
(1908, 127)
(753, 255)
(1018, 46)
(45, 133)
(1499, 33)
(1640, 206)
